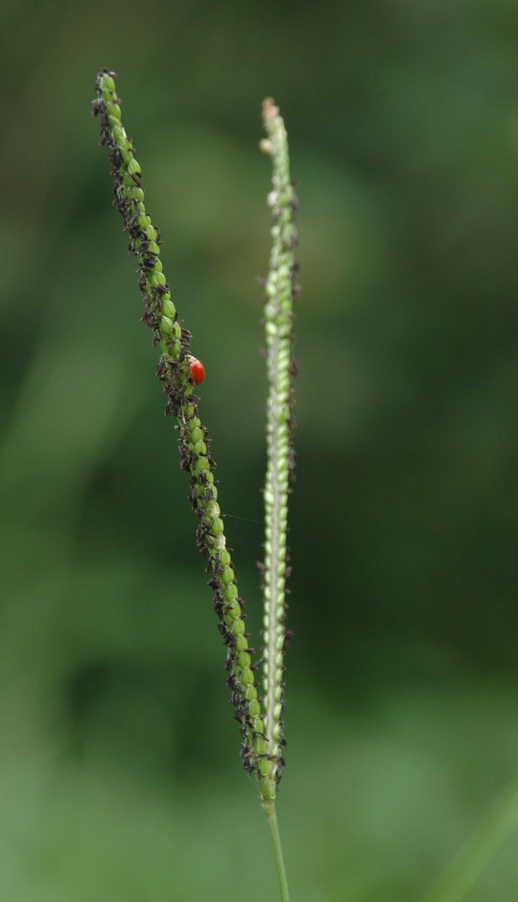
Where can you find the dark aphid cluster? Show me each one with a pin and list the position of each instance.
(128, 197)
(182, 404)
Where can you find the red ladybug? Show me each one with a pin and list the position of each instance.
(197, 369)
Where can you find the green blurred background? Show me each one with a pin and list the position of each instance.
(120, 776)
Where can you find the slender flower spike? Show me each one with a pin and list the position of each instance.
(281, 291)
(179, 372)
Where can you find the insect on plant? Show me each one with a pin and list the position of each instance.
(197, 369)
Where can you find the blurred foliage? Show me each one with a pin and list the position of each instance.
(119, 767)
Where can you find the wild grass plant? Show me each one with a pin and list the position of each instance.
(256, 685)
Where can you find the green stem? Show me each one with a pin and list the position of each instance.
(271, 814)
(481, 847)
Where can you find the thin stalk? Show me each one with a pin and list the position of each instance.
(271, 814)
(465, 869)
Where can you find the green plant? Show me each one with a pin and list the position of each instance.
(259, 713)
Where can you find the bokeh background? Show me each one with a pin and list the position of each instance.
(120, 776)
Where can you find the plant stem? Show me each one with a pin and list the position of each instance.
(484, 843)
(271, 814)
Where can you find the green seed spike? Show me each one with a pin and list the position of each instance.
(174, 372)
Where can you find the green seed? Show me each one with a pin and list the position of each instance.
(217, 526)
(168, 309)
(227, 576)
(264, 766)
(230, 593)
(107, 82)
(241, 644)
(134, 167)
(166, 325)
